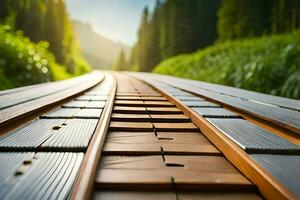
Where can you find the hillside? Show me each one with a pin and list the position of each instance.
(100, 52)
(264, 64)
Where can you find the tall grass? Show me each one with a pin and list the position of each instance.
(266, 64)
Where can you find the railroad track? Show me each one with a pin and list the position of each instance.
(145, 136)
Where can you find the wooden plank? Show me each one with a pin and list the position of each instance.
(43, 90)
(215, 113)
(61, 113)
(148, 118)
(213, 195)
(163, 110)
(30, 135)
(119, 117)
(66, 113)
(14, 113)
(83, 185)
(127, 94)
(50, 134)
(202, 172)
(92, 98)
(20, 89)
(175, 127)
(285, 168)
(130, 126)
(169, 118)
(134, 195)
(74, 135)
(150, 95)
(236, 92)
(88, 114)
(189, 98)
(147, 143)
(129, 110)
(201, 104)
(41, 175)
(151, 98)
(286, 118)
(252, 138)
(158, 103)
(9, 164)
(140, 103)
(129, 98)
(84, 104)
(267, 184)
(129, 103)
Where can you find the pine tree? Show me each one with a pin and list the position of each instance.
(120, 64)
(142, 41)
(152, 45)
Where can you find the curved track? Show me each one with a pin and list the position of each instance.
(145, 136)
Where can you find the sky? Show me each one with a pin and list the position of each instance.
(117, 20)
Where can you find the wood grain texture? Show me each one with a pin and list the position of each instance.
(148, 143)
(50, 134)
(282, 116)
(215, 113)
(67, 113)
(237, 92)
(252, 138)
(186, 195)
(202, 104)
(201, 171)
(42, 90)
(11, 114)
(130, 126)
(83, 185)
(283, 167)
(134, 195)
(38, 176)
(270, 187)
(84, 104)
(91, 98)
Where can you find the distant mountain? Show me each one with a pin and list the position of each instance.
(100, 52)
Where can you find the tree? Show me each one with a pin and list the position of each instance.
(143, 41)
(46, 20)
(174, 27)
(120, 64)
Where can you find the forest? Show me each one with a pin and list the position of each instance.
(249, 44)
(37, 43)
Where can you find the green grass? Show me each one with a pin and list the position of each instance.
(268, 64)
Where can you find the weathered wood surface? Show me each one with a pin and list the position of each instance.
(20, 110)
(284, 167)
(237, 92)
(38, 175)
(232, 137)
(288, 118)
(142, 151)
(254, 139)
(29, 94)
(145, 137)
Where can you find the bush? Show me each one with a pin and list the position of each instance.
(23, 62)
(267, 64)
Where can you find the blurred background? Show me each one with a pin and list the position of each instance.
(249, 44)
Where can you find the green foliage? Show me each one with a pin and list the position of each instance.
(23, 62)
(174, 27)
(267, 64)
(46, 20)
(248, 18)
